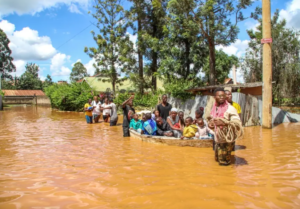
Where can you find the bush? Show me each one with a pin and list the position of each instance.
(177, 89)
(149, 100)
(69, 97)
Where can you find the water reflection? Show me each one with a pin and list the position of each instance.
(54, 159)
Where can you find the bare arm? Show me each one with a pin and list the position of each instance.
(171, 125)
(125, 103)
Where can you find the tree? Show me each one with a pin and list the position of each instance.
(78, 72)
(217, 20)
(48, 82)
(285, 58)
(224, 63)
(115, 52)
(6, 64)
(30, 80)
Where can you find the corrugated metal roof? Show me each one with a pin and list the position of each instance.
(23, 92)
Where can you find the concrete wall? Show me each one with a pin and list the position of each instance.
(251, 108)
(43, 100)
(39, 100)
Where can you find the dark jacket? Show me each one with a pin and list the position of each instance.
(163, 128)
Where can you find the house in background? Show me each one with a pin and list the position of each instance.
(62, 82)
(96, 82)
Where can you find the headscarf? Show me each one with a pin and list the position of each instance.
(174, 109)
(222, 108)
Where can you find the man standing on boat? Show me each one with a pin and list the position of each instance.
(164, 108)
(227, 126)
(128, 110)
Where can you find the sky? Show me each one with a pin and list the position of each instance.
(53, 33)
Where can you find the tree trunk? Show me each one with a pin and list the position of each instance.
(212, 64)
(154, 53)
(140, 56)
(187, 57)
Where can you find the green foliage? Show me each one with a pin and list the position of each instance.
(224, 63)
(78, 72)
(217, 22)
(8, 84)
(69, 97)
(1, 93)
(285, 59)
(6, 64)
(115, 52)
(48, 82)
(30, 80)
(147, 100)
(177, 87)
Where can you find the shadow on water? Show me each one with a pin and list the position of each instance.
(239, 147)
(238, 161)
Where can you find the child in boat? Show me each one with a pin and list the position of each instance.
(135, 123)
(203, 131)
(199, 114)
(163, 128)
(149, 127)
(155, 115)
(181, 118)
(190, 129)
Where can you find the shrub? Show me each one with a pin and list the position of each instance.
(69, 97)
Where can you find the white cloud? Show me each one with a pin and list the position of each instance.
(74, 9)
(238, 48)
(34, 6)
(26, 44)
(291, 14)
(90, 68)
(57, 65)
(20, 67)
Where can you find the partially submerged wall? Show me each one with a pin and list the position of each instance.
(38, 100)
(251, 108)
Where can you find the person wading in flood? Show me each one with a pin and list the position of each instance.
(96, 111)
(127, 108)
(234, 104)
(164, 108)
(227, 127)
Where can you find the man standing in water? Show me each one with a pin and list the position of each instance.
(127, 108)
(114, 114)
(164, 108)
(227, 126)
(234, 104)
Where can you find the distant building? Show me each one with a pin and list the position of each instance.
(62, 82)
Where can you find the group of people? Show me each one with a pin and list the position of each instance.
(94, 109)
(223, 125)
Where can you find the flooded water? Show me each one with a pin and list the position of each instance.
(55, 160)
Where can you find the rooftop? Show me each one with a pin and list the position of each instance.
(23, 93)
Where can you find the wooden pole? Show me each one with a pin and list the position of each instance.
(267, 66)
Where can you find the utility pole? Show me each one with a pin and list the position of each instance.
(267, 65)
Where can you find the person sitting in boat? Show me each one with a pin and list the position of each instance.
(203, 131)
(149, 127)
(181, 118)
(174, 122)
(163, 128)
(155, 115)
(136, 123)
(190, 129)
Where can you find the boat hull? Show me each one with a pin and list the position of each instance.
(204, 143)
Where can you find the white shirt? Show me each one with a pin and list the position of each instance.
(96, 110)
(106, 110)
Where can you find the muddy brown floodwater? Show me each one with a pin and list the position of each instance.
(55, 160)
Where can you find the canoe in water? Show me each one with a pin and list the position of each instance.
(172, 140)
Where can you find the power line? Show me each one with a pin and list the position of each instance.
(75, 35)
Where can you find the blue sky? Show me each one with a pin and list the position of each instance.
(53, 33)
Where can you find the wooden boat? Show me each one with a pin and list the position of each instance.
(172, 140)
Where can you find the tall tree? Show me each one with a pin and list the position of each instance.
(138, 13)
(30, 80)
(48, 82)
(224, 64)
(78, 72)
(285, 58)
(6, 64)
(217, 20)
(115, 52)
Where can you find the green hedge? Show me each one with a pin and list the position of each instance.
(69, 97)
